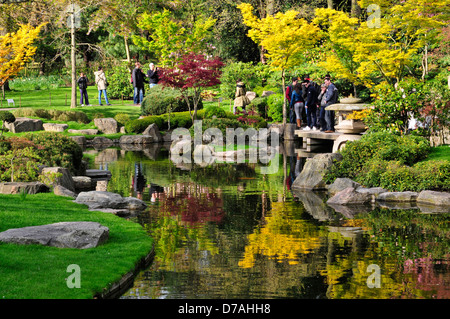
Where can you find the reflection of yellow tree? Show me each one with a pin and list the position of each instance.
(283, 238)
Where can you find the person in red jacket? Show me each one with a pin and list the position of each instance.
(288, 93)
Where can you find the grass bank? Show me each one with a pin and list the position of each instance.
(40, 272)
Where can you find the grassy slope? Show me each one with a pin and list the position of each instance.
(35, 272)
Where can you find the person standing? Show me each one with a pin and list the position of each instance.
(102, 83)
(331, 96)
(297, 103)
(241, 99)
(138, 78)
(289, 91)
(310, 105)
(82, 85)
(152, 74)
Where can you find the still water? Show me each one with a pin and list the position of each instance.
(228, 231)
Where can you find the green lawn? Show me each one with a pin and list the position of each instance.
(37, 272)
(439, 153)
(59, 99)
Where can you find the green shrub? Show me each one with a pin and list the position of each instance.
(160, 100)
(357, 155)
(57, 150)
(275, 107)
(139, 125)
(215, 111)
(55, 115)
(122, 118)
(119, 82)
(6, 117)
(261, 106)
(20, 165)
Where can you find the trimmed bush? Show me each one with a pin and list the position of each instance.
(139, 125)
(160, 100)
(275, 107)
(55, 115)
(214, 111)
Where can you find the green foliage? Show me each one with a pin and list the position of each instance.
(57, 150)
(275, 107)
(261, 106)
(380, 145)
(139, 125)
(55, 115)
(122, 118)
(19, 165)
(394, 107)
(8, 117)
(119, 82)
(38, 83)
(160, 100)
(252, 75)
(214, 111)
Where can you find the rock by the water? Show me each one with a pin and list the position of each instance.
(398, 196)
(80, 235)
(153, 131)
(136, 139)
(102, 199)
(64, 180)
(311, 176)
(107, 125)
(341, 184)
(90, 131)
(434, 198)
(350, 196)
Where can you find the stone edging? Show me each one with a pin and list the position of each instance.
(118, 288)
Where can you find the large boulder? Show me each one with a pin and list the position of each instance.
(107, 125)
(312, 174)
(350, 196)
(89, 131)
(62, 191)
(398, 196)
(27, 187)
(80, 235)
(54, 127)
(97, 200)
(340, 184)
(65, 178)
(23, 124)
(434, 198)
(82, 183)
(136, 139)
(153, 131)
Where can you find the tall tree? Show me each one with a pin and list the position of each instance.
(16, 49)
(190, 75)
(169, 39)
(284, 36)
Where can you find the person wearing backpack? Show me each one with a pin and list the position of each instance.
(331, 96)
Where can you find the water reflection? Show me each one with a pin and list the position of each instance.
(226, 231)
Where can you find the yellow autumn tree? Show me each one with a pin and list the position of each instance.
(386, 43)
(16, 49)
(285, 36)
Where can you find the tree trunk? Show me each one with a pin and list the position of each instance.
(356, 9)
(283, 81)
(127, 49)
(73, 100)
(330, 4)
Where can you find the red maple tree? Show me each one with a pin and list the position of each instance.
(191, 75)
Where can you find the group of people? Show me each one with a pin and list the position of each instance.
(310, 98)
(138, 78)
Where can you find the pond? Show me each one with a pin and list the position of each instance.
(229, 231)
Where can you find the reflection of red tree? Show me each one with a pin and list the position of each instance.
(195, 208)
(428, 278)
